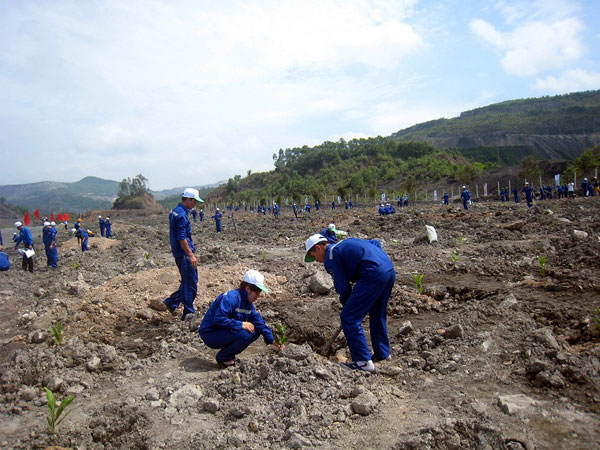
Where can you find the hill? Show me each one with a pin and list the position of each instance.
(144, 200)
(559, 127)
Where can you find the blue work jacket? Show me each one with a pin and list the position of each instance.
(25, 237)
(329, 235)
(350, 259)
(466, 195)
(180, 228)
(229, 310)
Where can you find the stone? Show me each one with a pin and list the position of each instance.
(188, 395)
(152, 394)
(37, 337)
(157, 305)
(28, 393)
(454, 332)
(405, 328)
(515, 226)
(515, 404)
(536, 366)
(76, 389)
(40, 292)
(545, 337)
(281, 279)
(578, 234)
(108, 354)
(320, 283)
(298, 352)
(93, 365)
(510, 302)
(365, 404)
(54, 383)
(322, 373)
(144, 314)
(210, 405)
(296, 440)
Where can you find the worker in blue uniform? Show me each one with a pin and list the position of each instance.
(515, 192)
(364, 263)
(232, 323)
(26, 238)
(83, 236)
(102, 225)
(381, 210)
(295, 209)
(329, 234)
(466, 196)
(528, 191)
(53, 249)
(584, 187)
(4, 261)
(217, 218)
(201, 215)
(182, 246)
(445, 198)
(317, 205)
(108, 227)
(49, 240)
(194, 215)
(333, 205)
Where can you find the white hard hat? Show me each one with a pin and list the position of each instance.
(331, 226)
(527, 182)
(46, 224)
(192, 193)
(257, 279)
(18, 224)
(53, 223)
(310, 243)
(464, 187)
(99, 217)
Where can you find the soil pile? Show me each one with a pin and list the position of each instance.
(499, 349)
(144, 200)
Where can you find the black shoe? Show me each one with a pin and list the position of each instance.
(377, 359)
(226, 364)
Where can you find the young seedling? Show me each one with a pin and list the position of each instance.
(454, 256)
(418, 281)
(76, 266)
(147, 255)
(280, 334)
(55, 412)
(57, 332)
(263, 255)
(542, 261)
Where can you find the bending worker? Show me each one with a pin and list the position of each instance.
(182, 246)
(232, 323)
(364, 263)
(27, 239)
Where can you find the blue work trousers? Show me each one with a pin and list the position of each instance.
(529, 201)
(465, 203)
(188, 288)
(52, 256)
(230, 342)
(218, 222)
(102, 226)
(84, 246)
(369, 296)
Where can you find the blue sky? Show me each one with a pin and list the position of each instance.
(194, 92)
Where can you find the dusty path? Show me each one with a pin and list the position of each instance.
(488, 326)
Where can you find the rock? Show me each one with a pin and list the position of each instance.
(515, 404)
(76, 389)
(152, 394)
(556, 380)
(536, 366)
(321, 372)
(510, 302)
(93, 365)
(188, 395)
(515, 226)
(545, 337)
(405, 328)
(548, 212)
(296, 440)
(108, 354)
(37, 337)
(563, 220)
(281, 279)
(195, 321)
(253, 426)
(28, 393)
(40, 292)
(320, 283)
(298, 352)
(454, 332)
(78, 288)
(54, 383)
(144, 314)
(410, 344)
(453, 442)
(578, 234)
(364, 404)
(210, 405)
(157, 305)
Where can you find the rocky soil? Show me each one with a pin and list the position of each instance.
(494, 353)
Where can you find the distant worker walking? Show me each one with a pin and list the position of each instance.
(107, 227)
(26, 238)
(217, 218)
(466, 197)
(102, 225)
(182, 246)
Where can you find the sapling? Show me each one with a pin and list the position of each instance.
(76, 266)
(54, 414)
(542, 261)
(419, 281)
(454, 256)
(280, 334)
(57, 332)
(147, 255)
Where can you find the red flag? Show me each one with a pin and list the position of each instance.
(51, 217)
(67, 216)
(37, 214)
(59, 217)
(26, 219)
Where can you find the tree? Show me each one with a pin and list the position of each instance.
(530, 168)
(132, 187)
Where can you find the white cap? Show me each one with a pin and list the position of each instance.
(257, 279)
(310, 243)
(18, 224)
(464, 187)
(99, 217)
(527, 182)
(192, 193)
(331, 226)
(46, 224)
(217, 209)
(53, 223)
(585, 179)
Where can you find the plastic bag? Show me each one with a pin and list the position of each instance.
(431, 234)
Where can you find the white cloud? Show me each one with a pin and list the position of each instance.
(534, 47)
(569, 81)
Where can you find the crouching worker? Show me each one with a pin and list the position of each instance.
(364, 263)
(232, 323)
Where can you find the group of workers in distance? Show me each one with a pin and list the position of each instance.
(232, 322)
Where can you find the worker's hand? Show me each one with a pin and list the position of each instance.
(279, 347)
(193, 260)
(248, 326)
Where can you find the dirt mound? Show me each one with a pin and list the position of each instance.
(144, 201)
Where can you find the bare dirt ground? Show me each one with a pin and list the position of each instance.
(493, 353)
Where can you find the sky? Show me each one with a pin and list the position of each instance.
(192, 92)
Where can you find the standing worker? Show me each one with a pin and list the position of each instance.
(27, 239)
(217, 218)
(445, 198)
(49, 239)
(528, 194)
(365, 264)
(102, 225)
(182, 246)
(108, 227)
(232, 323)
(466, 196)
(201, 215)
